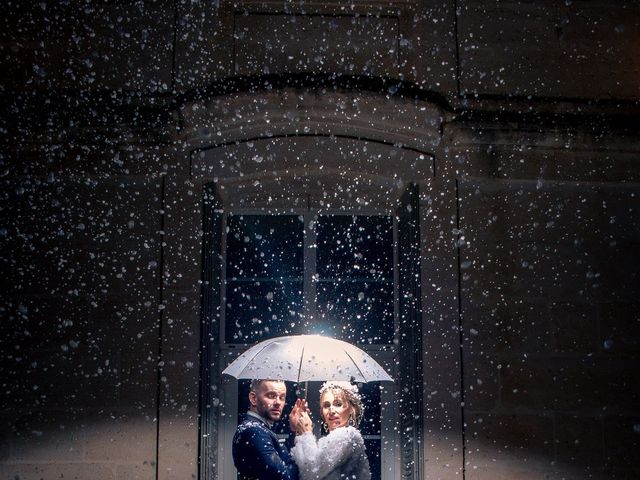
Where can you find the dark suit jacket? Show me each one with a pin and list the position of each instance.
(258, 455)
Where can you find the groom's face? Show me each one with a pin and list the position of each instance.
(269, 399)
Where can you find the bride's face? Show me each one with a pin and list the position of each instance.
(335, 409)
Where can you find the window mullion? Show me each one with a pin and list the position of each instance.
(309, 283)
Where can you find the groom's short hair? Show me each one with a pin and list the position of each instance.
(255, 384)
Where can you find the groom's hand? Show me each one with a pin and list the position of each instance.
(294, 416)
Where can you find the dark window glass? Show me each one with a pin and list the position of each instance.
(263, 294)
(356, 311)
(373, 454)
(370, 393)
(355, 277)
(258, 310)
(352, 246)
(264, 246)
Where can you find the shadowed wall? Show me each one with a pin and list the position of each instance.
(530, 230)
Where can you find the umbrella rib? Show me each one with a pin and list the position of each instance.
(354, 362)
(254, 356)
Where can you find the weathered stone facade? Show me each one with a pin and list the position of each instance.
(518, 123)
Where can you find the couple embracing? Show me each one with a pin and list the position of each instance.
(258, 455)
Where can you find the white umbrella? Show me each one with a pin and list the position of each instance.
(303, 358)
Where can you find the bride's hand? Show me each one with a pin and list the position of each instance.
(294, 415)
(304, 423)
(299, 418)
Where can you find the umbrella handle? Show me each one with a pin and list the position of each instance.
(302, 391)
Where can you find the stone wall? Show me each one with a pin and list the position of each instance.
(529, 219)
(81, 306)
(547, 282)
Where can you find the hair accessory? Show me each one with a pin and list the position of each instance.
(346, 386)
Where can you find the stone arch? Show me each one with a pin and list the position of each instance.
(376, 143)
(293, 111)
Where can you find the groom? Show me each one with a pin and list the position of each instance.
(257, 453)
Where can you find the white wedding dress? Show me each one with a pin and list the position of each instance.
(338, 456)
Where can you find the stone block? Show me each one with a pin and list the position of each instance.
(481, 376)
(137, 386)
(509, 440)
(443, 446)
(511, 326)
(621, 446)
(53, 469)
(179, 416)
(144, 470)
(544, 212)
(531, 272)
(299, 43)
(5, 442)
(72, 379)
(120, 437)
(109, 348)
(57, 161)
(178, 446)
(574, 384)
(616, 274)
(117, 46)
(110, 234)
(620, 328)
(203, 43)
(38, 435)
(530, 470)
(579, 442)
(566, 53)
(574, 327)
(183, 226)
(443, 462)
(621, 214)
(545, 163)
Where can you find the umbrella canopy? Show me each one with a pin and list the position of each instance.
(303, 358)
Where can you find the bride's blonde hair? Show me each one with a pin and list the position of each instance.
(349, 393)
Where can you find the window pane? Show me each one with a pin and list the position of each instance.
(259, 310)
(264, 246)
(373, 454)
(357, 312)
(264, 287)
(370, 393)
(355, 246)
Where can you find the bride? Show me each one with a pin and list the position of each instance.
(341, 453)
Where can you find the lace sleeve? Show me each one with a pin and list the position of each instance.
(317, 458)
